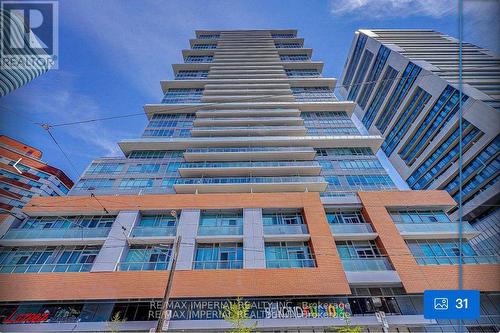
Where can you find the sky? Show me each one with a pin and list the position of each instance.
(113, 54)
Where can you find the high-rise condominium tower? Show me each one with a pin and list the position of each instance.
(275, 193)
(406, 86)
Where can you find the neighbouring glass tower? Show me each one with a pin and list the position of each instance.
(276, 196)
(406, 86)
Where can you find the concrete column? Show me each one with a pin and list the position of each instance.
(187, 229)
(253, 239)
(115, 246)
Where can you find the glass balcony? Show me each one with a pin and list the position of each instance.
(57, 233)
(48, 268)
(220, 264)
(245, 149)
(290, 263)
(153, 231)
(351, 228)
(220, 230)
(285, 229)
(249, 164)
(433, 227)
(143, 266)
(367, 264)
(474, 260)
(248, 180)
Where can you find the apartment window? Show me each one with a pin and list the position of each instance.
(332, 131)
(157, 221)
(183, 95)
(105, 168)
(136, 182)
(191, 75)
(404, 85)
(211, 36)
(288, 45)
(56, 222)
(219, 256)
(346, 217)
(445, 252)
(146, 258)
(487, 161)
(442, 158)
(144, 168)
(380, 94)
(204, 46)
(47, 259)
(147, 154)
(440, 114)
(282, 218)
(360, 151)
(294, 57)
(198, 59)
(358, 249)
(313, 94)
(283, 35)
(360, 164)
(373, 76)
(289, 255)
(321, 152)
(366, 181)
(353, 64)
(92, 184)
(360, 74)
(221, 223)
(419, 216)
(302, 73)
(414, 107)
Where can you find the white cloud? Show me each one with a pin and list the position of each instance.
(393, 8)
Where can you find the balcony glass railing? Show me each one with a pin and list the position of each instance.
(57, 233)
(143, 266)
(220, 264)
(46, 268)
(285, 229)
(351, 228)
(248, 180)
(248, 164)
(474, 260)
(366, 264)
(246, 149)
(220, 230)
(290, 263)
(153, 231)
(434, 227)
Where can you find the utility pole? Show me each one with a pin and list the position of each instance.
(164, 315)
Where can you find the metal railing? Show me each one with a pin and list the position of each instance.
(351, 228)
(249, 180)
(220, 230)
(290, 263)
(20, 233)
(434, 227)
(474, 260)
(246, 149)
(367, 264)
(219, 264)
(153, 231)
(143, 266)
(249, 164)
(285, 229)
(45, 268)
